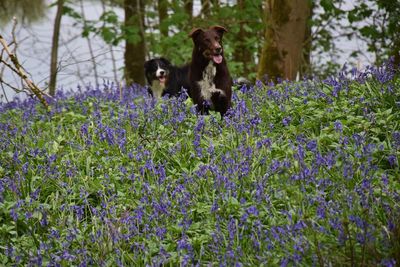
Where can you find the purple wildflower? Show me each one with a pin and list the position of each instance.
(286, 121)
(252, 210)
(392, 159)
(396, 139)
(338, 126)
(14, 214)
(388, 263)
(312, 145)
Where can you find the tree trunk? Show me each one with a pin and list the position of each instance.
(305, 66)
(135, 48)
(215, 6)
(54, 49)
(189, 10)
(395, 53)
(205, 8)
(284, 37)
(162, 15)
(241, 53)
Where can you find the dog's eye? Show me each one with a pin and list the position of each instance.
(208, 40)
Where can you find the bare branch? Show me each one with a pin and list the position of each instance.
(17, 68)
(2, 82)
(93, 60)
(4, 93)
(14, 38)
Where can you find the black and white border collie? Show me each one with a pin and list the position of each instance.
(165, 78)
(210, 81)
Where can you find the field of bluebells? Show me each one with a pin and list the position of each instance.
(298, 174)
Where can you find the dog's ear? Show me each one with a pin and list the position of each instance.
(195, 32)
(221, 30)
(146, 64)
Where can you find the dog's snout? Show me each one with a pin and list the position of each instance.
(218, 50)
(161, 72)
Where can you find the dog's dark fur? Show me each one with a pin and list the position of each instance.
(165, 78)
(210, 81)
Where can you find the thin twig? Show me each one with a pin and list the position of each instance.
(103, 5)
(17, 90)
(19, 70)
(92, 57)
(4, 91)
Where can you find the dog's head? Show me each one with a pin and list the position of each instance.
(209, 42)
(157, 69)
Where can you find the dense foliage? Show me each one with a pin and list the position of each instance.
(372, 24)
(245, 24)
(299, 173)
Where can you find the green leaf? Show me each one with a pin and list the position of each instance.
(69, 11)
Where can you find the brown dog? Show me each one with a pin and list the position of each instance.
(210, 81)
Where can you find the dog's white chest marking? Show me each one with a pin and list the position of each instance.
(157, 88)
(207, 85)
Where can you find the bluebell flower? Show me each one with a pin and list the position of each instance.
(255, 121)
(330, 160)
(388, 262)
(14, 214)
(67, 256)
(284, 262)
(338, 126)
(9, 251)
(232, 229)
(54, 234)
(286, 121)
(321, 213)
(16, 157)
(210, 149)
(183, 244)
(396, 139)
(392, 159)
(252, 210)
(259, 84)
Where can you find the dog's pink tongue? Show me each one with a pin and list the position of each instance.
(217, 59)
(162, 79)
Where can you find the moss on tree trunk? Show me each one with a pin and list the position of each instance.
(162, 15)
(54, 48)
(284, 38)
(135, 49)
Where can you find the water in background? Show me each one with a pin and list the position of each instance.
(75, 63)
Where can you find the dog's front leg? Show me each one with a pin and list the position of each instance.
(220, 101)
